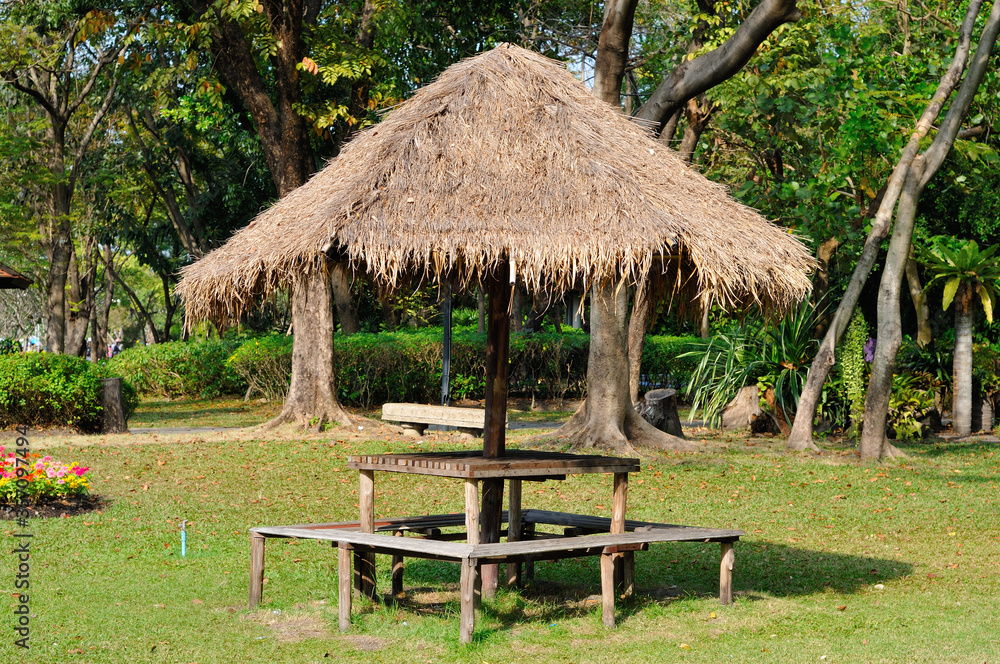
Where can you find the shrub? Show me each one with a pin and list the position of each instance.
(406, 365)
(9, 346)
(181, 368)
(264, 364)
(41, 389)
(43, 480)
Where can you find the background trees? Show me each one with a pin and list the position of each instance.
(137, 138)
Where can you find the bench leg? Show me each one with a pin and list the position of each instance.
(529, 566)
(726, 573)
(608, 588)
(256, 569)
(468, 600)
(628, 573)
(344, 586)
(514, 530)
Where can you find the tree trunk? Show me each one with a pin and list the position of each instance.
(638, 324)
(874, 444)
(607, 419)
(312, 394)
(920, 305)
(346, 312)
(922, 168)
(961, 382)
(802, 429)
(821, 284)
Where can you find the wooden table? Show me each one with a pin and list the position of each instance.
(472, 467)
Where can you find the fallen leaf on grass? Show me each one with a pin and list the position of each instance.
(841, 608)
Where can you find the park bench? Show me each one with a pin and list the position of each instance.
(414, 418)
(576, 540)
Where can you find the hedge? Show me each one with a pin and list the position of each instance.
(181, 369)
(42, 389)
(406, 366)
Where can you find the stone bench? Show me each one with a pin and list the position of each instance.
(414, 418)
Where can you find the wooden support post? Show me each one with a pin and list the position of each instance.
(472, 534)
(397, 570)
(498, 287)
(624, 564)
(364, 563)
(472, 512)
(256, 569)
(726, 573)
(608, 588)
(489, 531)
(514, 530)
(344, 585)
(467, 610)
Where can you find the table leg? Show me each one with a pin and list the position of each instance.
(514, 530)
(256, 569)
(364, 563)
(529, 566)
(726, 573)
(344, 585)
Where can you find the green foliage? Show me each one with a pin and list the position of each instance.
(851, 363)
(957, 263)
(932, 363)
(176, 369)
(909, 401)
(264, 364)
(40, 389)
(8, 346)
(374, 368)
(775, 356)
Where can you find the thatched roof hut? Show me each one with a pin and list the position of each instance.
(11, 278)
(507, 157)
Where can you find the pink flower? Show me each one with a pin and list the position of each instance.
(80, 471)
(51, 473)
(38, 465)
(61, 473)
(61, 482)
(46, 458)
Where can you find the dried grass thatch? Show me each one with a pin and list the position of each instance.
(507, 157)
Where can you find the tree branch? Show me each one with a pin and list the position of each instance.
(708, 70)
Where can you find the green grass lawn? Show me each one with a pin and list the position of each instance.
(842, 562)
(218, 412)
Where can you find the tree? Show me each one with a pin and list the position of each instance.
(63, 63)
(874, 443)
(907, 176)
(237, 33)
(607, 418)
(967, 273)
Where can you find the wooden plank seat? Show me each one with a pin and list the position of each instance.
(414, 418)
(348, 539)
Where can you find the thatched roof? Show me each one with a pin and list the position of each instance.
(506, 157)
(11, 278)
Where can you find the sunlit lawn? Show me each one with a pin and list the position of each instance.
(851, 562)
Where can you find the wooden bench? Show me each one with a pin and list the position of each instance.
(414, 418)
(388, 539)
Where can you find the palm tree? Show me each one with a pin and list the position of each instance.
(966, 272)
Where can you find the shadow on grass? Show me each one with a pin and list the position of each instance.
(666, 573)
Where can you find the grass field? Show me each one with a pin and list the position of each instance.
(842, 562)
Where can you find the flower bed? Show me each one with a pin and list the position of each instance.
(42, 480)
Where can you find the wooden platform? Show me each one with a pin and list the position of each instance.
(431, 544)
